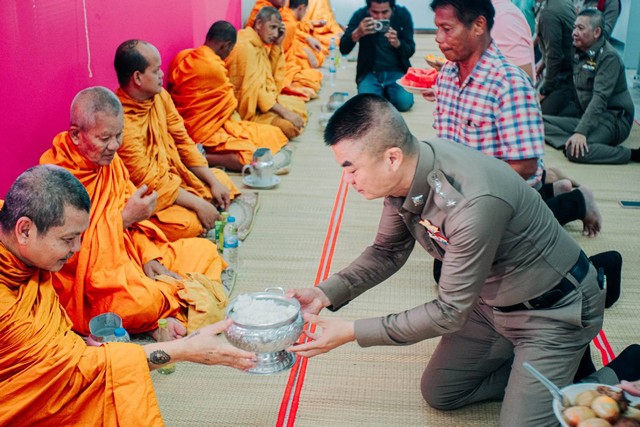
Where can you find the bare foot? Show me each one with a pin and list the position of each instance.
(176, 329)
(562, 186)
(592, 221)
(554, 174)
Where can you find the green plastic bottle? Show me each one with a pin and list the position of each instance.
(164, 335)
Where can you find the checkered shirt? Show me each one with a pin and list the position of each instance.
(495, 110)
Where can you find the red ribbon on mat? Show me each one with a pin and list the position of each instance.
(291, 397)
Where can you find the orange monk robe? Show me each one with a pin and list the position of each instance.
(300, 80)
(295, 44)
(204, 97)
(107, 273)
(318, 10)
(158, 151)
(48, 375)
(257, 73)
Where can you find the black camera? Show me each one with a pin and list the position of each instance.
(381, 25)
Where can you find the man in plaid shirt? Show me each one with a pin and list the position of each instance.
(487, 103)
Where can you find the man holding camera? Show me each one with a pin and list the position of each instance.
(385, 33)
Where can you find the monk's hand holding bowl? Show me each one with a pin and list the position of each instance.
(206, 346)
(139, 207)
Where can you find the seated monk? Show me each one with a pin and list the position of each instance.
(121, 253)
(48, 375)
(320, 16)
(300, 79)
(299, 45)
(257, 70)
(158, 151)
(200, 87)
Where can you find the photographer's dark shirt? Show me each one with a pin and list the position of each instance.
(369, 50)
(386, 58)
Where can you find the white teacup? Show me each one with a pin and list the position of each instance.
(261, 168)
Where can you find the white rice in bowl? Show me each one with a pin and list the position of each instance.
(256, 311)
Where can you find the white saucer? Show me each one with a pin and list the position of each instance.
(250, 181)
(413, 89)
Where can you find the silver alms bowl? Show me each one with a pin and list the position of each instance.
(268, 341)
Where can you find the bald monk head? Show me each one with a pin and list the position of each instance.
(221, 38)
(268, 25)
(96, 126)
(299, 8)
(45, 212)
(137, 65)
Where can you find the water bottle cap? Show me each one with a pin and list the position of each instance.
(119, 332)
(162, 323)
(231, 219)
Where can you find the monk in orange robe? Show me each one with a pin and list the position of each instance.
(48, 375)
(200, 87)
(323, 21)
(300, 55)
(158, 151)
(121, 253)
(313, 52)
(257, 70)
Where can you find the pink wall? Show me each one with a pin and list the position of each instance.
(45, 61)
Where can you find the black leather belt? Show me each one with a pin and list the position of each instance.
(552, 296)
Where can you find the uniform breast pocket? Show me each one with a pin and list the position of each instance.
(584, 79)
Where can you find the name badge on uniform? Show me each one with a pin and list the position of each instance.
(434, 232)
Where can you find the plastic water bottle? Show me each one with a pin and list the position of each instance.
(332, 61)
(163, 336)
(230, 246)
(121, 335)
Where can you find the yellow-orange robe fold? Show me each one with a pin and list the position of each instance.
(200, 87)
(257, 73)
(107, 273)
(158, 151)
(48, 375)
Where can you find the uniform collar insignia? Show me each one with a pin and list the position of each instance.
(418, 200)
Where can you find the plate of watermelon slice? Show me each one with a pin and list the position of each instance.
(418, 80)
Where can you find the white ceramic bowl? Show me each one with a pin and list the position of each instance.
(572, 391)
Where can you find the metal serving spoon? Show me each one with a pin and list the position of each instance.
(555, 391)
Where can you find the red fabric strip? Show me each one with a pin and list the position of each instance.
(291, 396)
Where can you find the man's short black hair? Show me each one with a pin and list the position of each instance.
(222, 31)
(596, 19)
(373, 121)
(392, 3)
(468, 11)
